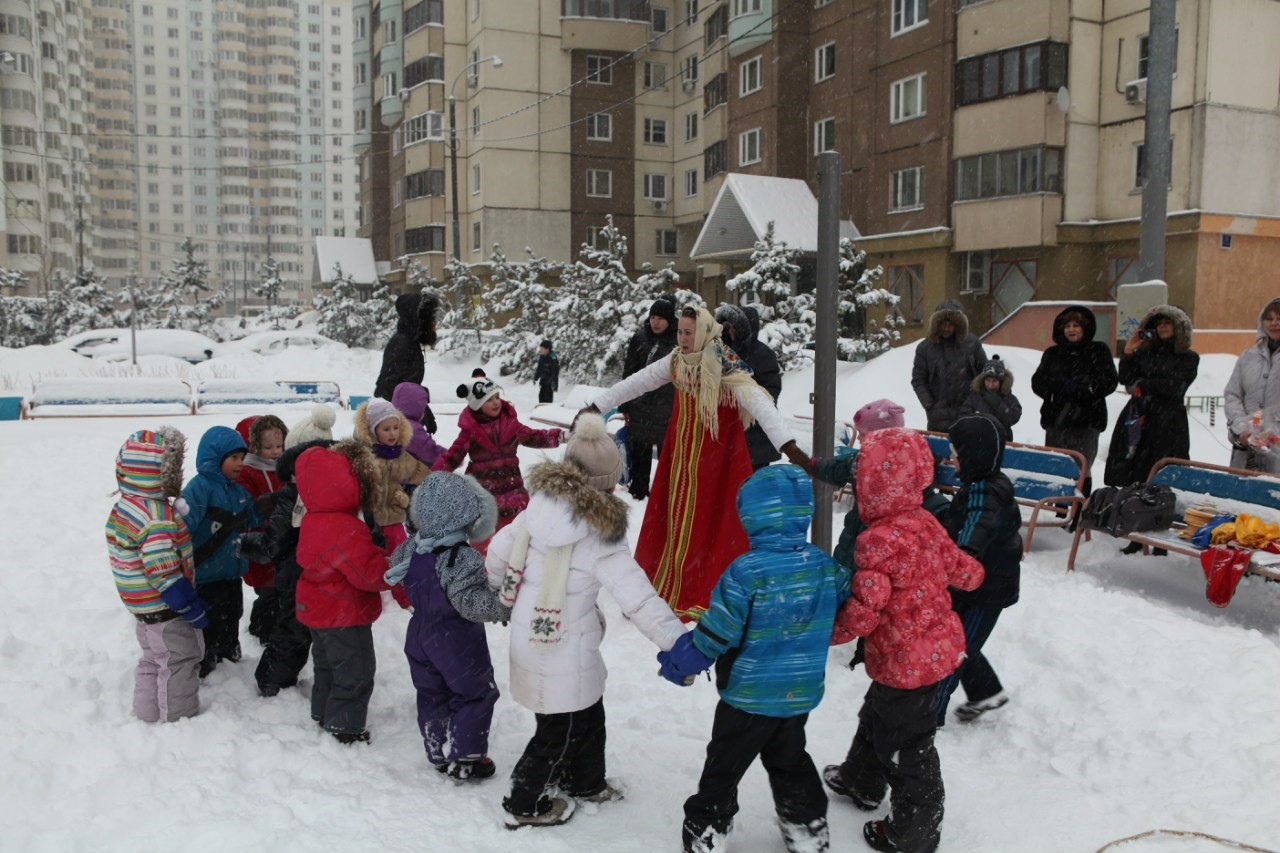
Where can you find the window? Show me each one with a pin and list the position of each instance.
(655, 131)
(668, 242)
(426, 183)
(691, 183)
(389, 31)
(475, 178)
(395, 195)
(429, 238)
(658, 17)
(599, 126)
(906, 99)
(596, 238)
(690, 126)
(824, 135)
(715, 159)
(690, 12)
(909, 14)
(824, 62)
(907, 283)
(1039, 67)
(424, 127)
(599, 183)
(975, 272)
(430, 67)
(475, 121)
(906, 189)
(475, 9)
(715, 93)
(1021, 171)
(749, 75)
(1140, 165)
(1144, 57)
(600, 69)
(415, 17)
(749, 150)
(475, 237)
(716, 27)
(655, 187)
(655, 75)
(745, 7)
(389, 87)
(689, 73)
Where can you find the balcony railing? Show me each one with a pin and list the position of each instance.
(623, 10)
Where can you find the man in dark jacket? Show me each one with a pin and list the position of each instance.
(547, 373)
(946, 362)
(741, 333)
(402, 360)
(648, 414)
(985, 522)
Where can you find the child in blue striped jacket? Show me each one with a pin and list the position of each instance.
(767, 630)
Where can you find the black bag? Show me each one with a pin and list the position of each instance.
(1139, 508)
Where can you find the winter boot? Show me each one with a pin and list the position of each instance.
(811, 837)
(704, 839)
(208, 663)
(474, 770)
(835, 781)
(558, 812)
(607, 794)
(349, 738)
(230, 652)
(1132, 548)
(970, 711)
(873, 832)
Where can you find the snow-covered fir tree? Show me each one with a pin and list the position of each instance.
(522, 293)
(344, 315)
(858, 288)
(182, 297)
(132, 305)
(787, 319)
(269, 287)
(467, 313)
(21, 317)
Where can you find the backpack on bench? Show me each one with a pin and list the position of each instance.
(1139, 508)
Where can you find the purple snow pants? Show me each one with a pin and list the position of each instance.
(450, 666)
(166, 682)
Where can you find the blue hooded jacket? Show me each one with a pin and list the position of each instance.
(216, 502)
(770, 619)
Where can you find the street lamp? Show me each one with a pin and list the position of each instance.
(453, 157)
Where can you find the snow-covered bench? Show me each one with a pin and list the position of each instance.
(1201, 484)
(215, 394)
(109, 397)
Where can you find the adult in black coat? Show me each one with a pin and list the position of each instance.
(1075, 377)
(1158, 365)
(741, 333)
(648, 414)
(402, 360)
(946, 362)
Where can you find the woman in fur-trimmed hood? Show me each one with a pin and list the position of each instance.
(1157, 366)
(946, 361)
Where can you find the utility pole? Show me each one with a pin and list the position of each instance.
(80, 237)
(824, 372)
(1161, 42)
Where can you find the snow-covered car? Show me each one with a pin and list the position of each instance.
(273, 343)
(116, 344)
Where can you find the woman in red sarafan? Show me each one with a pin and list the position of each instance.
(691, 530)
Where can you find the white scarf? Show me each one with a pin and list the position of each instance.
(547, 626)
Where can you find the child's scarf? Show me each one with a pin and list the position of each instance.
(387, 451)
(421, 543)
(547, 625)
(713, 374)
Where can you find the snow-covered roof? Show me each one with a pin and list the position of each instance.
(355, 254)
(745, 206)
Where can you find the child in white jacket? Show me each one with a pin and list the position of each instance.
(550, 564)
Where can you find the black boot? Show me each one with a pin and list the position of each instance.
(1132, 548)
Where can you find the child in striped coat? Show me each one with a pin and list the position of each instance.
(151, 558)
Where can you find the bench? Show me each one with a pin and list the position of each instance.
(99, 397)
(1229, 490)
(212, 394)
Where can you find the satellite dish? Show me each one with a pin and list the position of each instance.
(1064, 100)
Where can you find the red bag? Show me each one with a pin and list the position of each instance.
(1223, 567)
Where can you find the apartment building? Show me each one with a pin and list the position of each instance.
(43, 151)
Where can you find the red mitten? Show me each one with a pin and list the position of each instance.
(1223, 568)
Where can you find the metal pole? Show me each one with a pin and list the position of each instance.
(1155, 142)
(824, 373)
(457, 201)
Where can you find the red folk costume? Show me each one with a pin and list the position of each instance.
(691, 530)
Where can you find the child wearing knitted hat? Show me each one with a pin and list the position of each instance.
(490, 433)
(380, 426)
(549, 566)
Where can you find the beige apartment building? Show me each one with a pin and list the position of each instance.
(991, 151)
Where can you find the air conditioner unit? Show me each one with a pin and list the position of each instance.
(473, 80)
(689, 85)
(1135, 92)
(659, 204)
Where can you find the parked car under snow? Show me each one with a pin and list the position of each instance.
(116, 344)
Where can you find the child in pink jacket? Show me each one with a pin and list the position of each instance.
(901, 605)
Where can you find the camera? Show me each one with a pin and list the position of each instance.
(1148, 334)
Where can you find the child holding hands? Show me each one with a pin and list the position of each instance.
(381, 427)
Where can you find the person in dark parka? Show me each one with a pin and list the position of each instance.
(946, 362)
(647, 415)
(547, 373)
(742, 329)
(1075, 377)
(985, 522)
(1158, 365)
(402, 360)
(992, 394)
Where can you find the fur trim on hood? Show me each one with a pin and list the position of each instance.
(365, 466)
(604, 512)
(362, 432)
(1006, 384)
(1181, 324)
(1088, 321)
(953, 311)
(285, 464)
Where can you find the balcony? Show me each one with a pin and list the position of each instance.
(603, 24)
(1003, 223)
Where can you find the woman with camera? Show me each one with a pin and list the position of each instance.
(1253, 398)
(1157, 366)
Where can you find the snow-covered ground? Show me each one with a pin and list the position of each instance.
(1136, 704)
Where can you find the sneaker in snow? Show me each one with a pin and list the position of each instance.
(835, 781)
(970, 711)
(560, 812)
(811, 837)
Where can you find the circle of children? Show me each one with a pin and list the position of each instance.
(916, 580)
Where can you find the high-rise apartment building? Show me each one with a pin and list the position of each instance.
(991, 151)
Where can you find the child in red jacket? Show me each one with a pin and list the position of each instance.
(900, 604)
(265, 437)
(339, 592)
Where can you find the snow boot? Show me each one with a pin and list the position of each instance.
(811, 837)
(208, 663)
(873, 832)
(559, 812)
(970, 711)
(835, 781)
(1132, 548)
(466, 770)
(348, 738)
(607, 794)
(704, 839)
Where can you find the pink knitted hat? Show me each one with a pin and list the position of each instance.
(378, 410)
(878, 414)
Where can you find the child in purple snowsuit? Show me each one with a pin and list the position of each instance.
(414, 402)
(448, 654)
